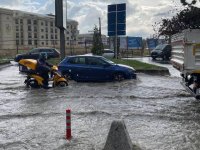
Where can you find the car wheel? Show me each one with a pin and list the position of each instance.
(32, 83)
(62, 84)
(67, 76)
(119, 76)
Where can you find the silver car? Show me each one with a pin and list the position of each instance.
(108, 53)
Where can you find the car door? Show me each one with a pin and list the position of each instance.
(77, 68)
(97, 69)
(49, 52)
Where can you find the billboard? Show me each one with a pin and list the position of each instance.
(134, 42)
(131, 42)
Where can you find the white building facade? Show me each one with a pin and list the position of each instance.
(24, 30)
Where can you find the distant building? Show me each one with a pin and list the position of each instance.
(24, 30)
(87, 40)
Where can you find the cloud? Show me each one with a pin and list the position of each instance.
(141, 14)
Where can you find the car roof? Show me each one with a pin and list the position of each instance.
(84, 56)
(44, 48)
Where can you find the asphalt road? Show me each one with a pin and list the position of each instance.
(158, 112)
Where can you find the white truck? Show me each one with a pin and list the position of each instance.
(185, 56)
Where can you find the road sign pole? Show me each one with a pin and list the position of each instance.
(116, 34)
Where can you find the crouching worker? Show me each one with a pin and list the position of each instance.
(43, 68)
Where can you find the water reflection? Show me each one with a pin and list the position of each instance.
(158, 112)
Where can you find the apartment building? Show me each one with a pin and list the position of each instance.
(24, 30)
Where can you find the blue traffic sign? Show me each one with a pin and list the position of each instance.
(112, 18)
(117, 19)
(121, 7)
(121, 17)
(113, 33)
(112, 8)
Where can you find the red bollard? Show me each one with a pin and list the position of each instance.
(68, 124)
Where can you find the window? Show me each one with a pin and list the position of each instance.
(42, 30)
(29, 42)
(29, 28)
(35, 50)
(16, 21)
(28, 21)
(47, 50)
(17, 28)
(35, 42)
(22, 35)
(17, 35)
(77, 60)
(95, 61)
(35, 22)
(17, 42)
(21, 21)
(47, 36)
(21, 28)
(29, 35)
(35, 35)
(35, 29)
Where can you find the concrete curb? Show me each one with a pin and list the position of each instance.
(118, 137)
(4, 65)
(154, 72)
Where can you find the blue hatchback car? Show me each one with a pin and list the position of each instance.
(94, 68)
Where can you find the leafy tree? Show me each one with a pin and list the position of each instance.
(188, 18)
(184, 2)
(97, 42)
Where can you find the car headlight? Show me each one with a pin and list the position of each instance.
(131, 70)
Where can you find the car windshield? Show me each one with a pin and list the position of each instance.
(160, 47)
(35, 50)
(108, 61)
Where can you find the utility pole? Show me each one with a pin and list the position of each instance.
(100, 34)
(60, 22)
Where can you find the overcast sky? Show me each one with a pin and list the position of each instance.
(141, 14)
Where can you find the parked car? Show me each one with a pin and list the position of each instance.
(94, 68)
(162, 51)
(108, 53)
(34, 53)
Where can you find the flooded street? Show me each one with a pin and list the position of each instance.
(159, 114)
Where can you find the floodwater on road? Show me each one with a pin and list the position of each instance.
(159, 114)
